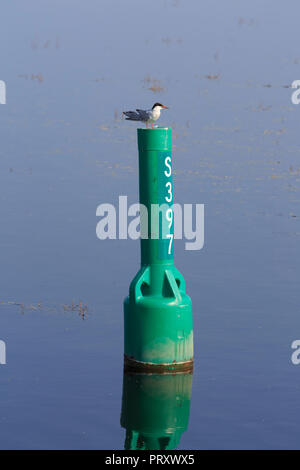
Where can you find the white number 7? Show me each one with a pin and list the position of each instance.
(170, 236)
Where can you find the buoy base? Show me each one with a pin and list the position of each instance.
(131, 365)
(158, 327)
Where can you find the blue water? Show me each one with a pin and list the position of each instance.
(223, 68)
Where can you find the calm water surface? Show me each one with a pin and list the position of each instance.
(224, 69)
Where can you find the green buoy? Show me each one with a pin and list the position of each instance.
(158, 322)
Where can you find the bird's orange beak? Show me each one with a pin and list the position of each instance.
(165, 107)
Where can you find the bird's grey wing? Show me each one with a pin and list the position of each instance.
(144, 115)
(132, 116)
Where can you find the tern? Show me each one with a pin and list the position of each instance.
(148, 116)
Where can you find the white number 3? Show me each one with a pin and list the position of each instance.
(169, 186)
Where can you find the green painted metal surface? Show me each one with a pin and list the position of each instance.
(155, 410)
(158, 325)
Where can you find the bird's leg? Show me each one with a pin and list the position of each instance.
(146, 125)
(152, 126)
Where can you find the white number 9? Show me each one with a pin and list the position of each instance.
(169, 216)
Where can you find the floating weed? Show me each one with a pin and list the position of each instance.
(246, 21)
(45, 44)
(80, 308)
(213, 77)
(39, 77)
(261, 107)
(274, 131)
(156, 88)
(168, 40)
(156, 85)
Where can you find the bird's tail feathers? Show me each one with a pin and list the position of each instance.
(132, 116)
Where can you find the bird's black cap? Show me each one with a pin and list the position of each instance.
(156, 104)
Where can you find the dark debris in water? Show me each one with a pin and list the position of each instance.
(246, 21)
(31, 76)
(45, 43)
(156, 85)
(213, 77)
(80, 308)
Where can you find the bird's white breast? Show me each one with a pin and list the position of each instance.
(155, 113)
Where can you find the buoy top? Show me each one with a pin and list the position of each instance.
(159, 138)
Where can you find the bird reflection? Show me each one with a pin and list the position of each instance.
(155, 410)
